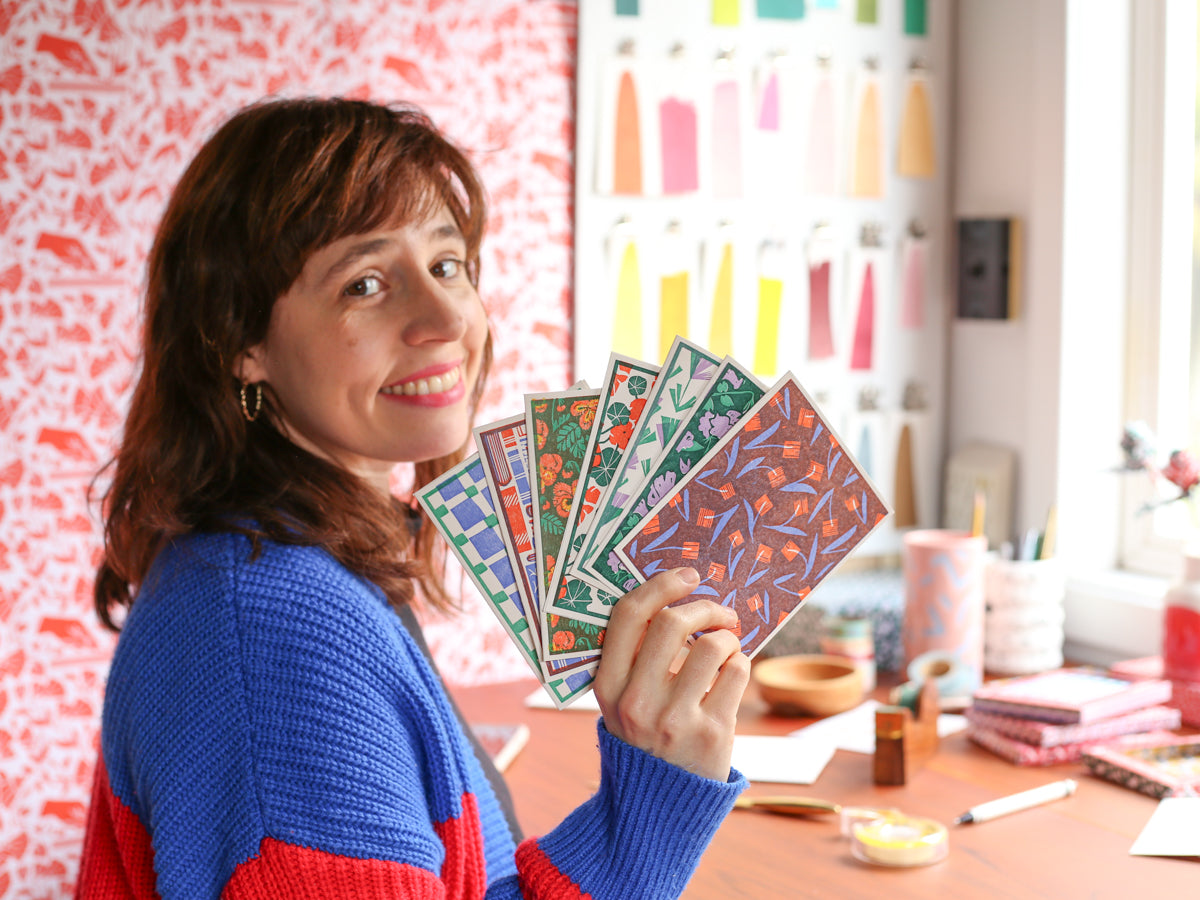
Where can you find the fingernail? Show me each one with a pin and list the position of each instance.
(688, 576)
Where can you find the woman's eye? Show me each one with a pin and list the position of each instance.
(447, 268)
(364, 287)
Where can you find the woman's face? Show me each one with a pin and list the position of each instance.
(374, 351)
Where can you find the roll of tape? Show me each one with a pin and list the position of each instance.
(952, 678)
(899, 840)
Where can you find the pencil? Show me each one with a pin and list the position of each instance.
(978, 511)
(1047, 548)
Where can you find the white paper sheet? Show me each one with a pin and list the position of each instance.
(783, 760)
(1173, 830)
(854, 730)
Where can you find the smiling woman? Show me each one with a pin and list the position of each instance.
(395, 325)
(273, 723)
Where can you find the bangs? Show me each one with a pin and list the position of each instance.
(381, 166)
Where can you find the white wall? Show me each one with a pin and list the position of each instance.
(1041, 134)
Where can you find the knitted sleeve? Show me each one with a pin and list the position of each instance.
(641, 835)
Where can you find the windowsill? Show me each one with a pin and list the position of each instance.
(1113, 615)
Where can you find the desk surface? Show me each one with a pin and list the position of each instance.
(1076, 847)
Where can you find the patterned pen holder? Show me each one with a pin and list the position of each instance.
(943, 596)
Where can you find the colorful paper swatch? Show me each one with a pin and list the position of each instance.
(768, 104)
(915, 23)
(726, 12)
(720, 330)
(820, 312)
(680, 160)
(916, 152)
(726, 140)
(905, 495)
(791, 10)
(821, 158)
(866, 178)
(862, 351)
(766, 340)
(673, 310)
(627, 148)
(914, 254)
(627, 308)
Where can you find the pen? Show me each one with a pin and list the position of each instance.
(1004, 805)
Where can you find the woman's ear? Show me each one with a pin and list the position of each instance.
(250, 365)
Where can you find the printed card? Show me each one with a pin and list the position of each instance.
(504, 456)
(680, 383)
(557, 428)
(460, 506)
(730, 395)
(772, 510)
(503, 453)
(627, 384)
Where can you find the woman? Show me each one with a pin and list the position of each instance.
(273, 726)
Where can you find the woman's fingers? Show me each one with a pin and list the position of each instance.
(725, 695)
(670, 630)
(630, 619)
(681, 712)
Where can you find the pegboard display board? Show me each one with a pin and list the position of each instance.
(769, 179)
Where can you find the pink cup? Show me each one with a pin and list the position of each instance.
(943, 597)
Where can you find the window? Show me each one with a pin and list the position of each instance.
(1163, 386)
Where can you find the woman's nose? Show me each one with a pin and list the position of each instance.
(436, 313)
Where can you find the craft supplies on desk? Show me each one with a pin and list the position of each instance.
(1024, 615)
(943, 596)
(900, 840)
(1003, 806)
(1049, 734)
(1168, 768)
(851, 639)
(904, 740)
(1173, 830)
(1078, 694)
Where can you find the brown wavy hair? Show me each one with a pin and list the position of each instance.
(275, 183)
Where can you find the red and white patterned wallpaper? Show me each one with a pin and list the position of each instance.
(102, 103)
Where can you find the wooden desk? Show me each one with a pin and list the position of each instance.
(1073, 848)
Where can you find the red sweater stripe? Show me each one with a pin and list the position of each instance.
(118, 859)
(541, 878)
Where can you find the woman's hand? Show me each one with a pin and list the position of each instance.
(685, 717)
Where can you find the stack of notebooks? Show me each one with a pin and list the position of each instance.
(1053, 717)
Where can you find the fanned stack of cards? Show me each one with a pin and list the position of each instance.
(588, 493)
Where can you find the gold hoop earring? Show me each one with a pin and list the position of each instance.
(258, 401)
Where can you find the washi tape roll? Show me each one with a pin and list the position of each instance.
(901, 841)
(953, 679)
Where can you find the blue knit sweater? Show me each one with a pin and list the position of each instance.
(272, 730)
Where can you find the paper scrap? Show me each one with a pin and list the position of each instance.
(783, 760)
(854, 730)
(539, 700)
(1173, 830)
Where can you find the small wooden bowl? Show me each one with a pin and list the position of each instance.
(808, 684)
